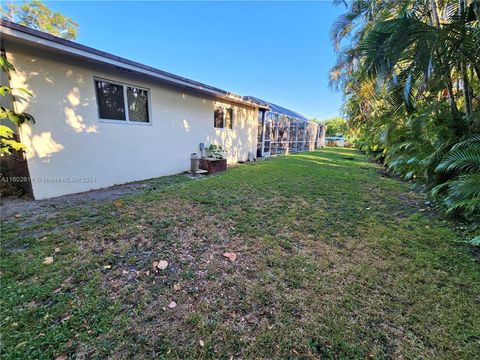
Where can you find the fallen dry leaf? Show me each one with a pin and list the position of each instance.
(107, 267)
(162, 264)
(57, 249)
(172, 304)
(202, 344)
(48, 260)
(230, 256)
(118, 203)
(177, 287)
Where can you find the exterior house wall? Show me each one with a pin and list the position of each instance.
(68, 144)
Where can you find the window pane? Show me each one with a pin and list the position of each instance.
(137, 104)
(218, 118)
(229, 119)
(110, 99)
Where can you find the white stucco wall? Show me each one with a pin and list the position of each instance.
(69, 140)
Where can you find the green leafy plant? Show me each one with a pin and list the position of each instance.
(8, 139)
(336, 126)
(215, 152)
(475, 241)
(462, 192)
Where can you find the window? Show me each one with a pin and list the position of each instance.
(229, 118)
(110, 101)
(218, 114)
(137, 104)
(223, 117)
(112, 98)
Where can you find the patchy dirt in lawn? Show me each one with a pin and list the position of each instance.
(24, 207)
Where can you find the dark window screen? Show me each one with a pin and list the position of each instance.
(137, 104)
(218, 118)
(111, 103)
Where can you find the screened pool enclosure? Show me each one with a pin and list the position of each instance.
(281, 131)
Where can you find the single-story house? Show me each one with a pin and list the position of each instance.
(102, 120)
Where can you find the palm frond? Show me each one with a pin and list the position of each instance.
(460, 160)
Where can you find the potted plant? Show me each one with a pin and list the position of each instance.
(214, 161)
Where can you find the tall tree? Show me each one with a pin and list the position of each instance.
(336, 126)
(37, 15)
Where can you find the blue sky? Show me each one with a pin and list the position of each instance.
(278, 51)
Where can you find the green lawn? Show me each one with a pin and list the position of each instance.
(334, 260)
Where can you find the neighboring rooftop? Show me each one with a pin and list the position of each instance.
(277, 108)
(10, 30)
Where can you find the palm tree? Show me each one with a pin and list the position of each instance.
(411, 80)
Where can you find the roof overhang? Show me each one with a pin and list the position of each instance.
(18, 33)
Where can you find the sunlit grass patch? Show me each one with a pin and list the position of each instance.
(332, 261)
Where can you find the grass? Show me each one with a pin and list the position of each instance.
(334, 260)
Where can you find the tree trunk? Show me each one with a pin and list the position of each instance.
(433, 4)
(466, 90)
(453, 103)
(464, 69)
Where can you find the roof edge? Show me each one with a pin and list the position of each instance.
(44, 39)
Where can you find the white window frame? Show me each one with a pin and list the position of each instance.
(125, 102)
(225, 108)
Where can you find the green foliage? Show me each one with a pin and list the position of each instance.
(8, 141)
(463, 190)
(37, 15)
(336, 126)
(411, 80)
(215, 151)
(475, 241)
